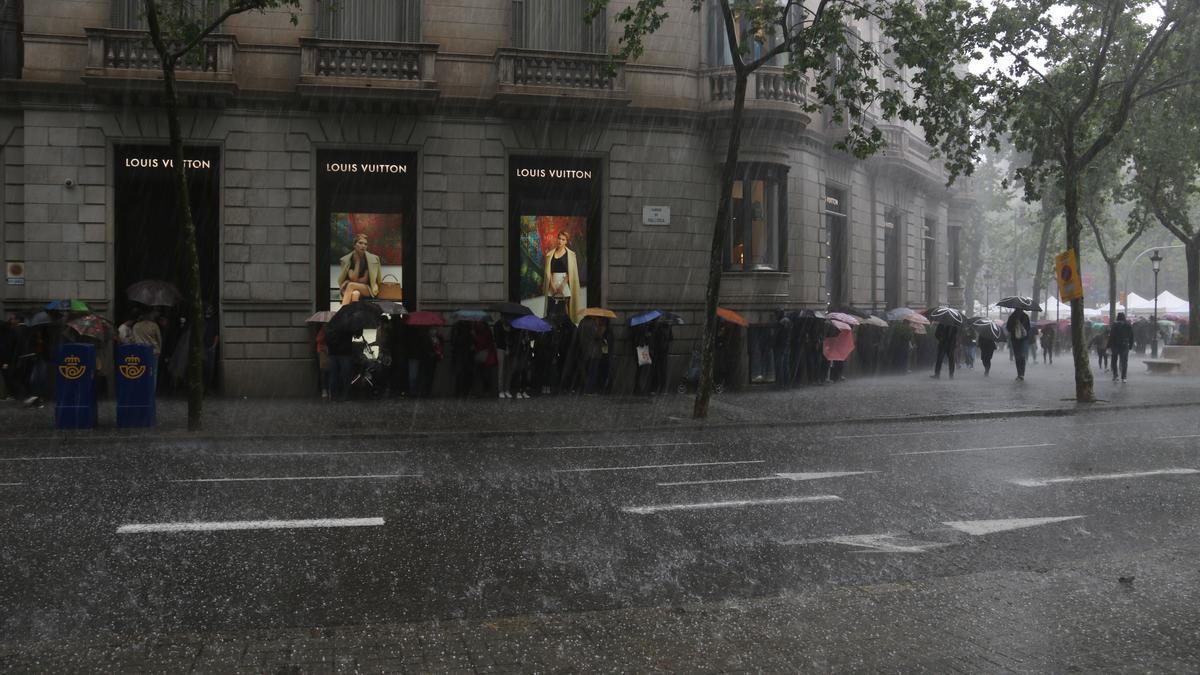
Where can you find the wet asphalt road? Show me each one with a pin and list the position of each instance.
(513, 526)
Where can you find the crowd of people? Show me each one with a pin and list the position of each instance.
(29, 345)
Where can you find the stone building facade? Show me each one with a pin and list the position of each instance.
(457, 114)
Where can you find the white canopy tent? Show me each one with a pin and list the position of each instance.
(1139, 305)
(1168, 302)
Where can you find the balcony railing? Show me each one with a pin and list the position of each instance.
(766, 84)
(567, 70)
(353, 59)
(401, 74)
(120, 52)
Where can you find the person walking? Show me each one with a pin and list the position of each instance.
(947, 340)
(987, 346)
(1120, 340)
(1048, 344)
(1100, 344)
(1018, 330)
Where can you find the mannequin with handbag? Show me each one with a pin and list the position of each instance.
(360, 276)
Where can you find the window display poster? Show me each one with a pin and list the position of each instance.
(538, 237)
(385, 238)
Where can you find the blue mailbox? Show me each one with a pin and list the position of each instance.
(75, 393)
(137, 374)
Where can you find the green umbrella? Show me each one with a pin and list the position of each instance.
(68, 306)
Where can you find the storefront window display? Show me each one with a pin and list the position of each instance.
(366, 215)
(149, 245)
(555, 216)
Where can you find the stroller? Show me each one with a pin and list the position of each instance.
(370, 371)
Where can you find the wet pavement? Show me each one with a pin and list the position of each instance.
(1022, 542)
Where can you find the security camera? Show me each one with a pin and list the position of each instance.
(70, 183)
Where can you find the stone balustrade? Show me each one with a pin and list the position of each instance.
(322, 59)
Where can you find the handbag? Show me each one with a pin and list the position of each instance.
(390, 290)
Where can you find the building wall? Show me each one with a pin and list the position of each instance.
(662, 149)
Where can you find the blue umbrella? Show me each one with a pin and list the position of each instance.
(468, 315)
(645, 317)
(39, 319)
(532, 323)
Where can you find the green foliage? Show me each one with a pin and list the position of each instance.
(182, 24)
(916, 72)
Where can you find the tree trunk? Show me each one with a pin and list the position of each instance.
(1112, 289)
(720, 230)
(1192, 251)
(1043, 243)
(1084, 391)
(183, 212)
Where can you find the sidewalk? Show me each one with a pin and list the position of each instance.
(1134, 613)
(1047, 390)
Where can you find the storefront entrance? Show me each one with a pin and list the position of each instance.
(149, 242)
(552, 197)
(371, 194)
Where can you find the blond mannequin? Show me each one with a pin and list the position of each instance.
(360, 274)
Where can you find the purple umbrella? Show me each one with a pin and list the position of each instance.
(532, 323)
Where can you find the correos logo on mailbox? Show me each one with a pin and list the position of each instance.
(133, 368)
(72, 368)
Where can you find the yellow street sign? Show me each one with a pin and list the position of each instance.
(1070, 286)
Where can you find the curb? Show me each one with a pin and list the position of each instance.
(681, 425)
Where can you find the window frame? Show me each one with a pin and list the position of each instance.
(836, 279)
(407, 28)
(592, 38)
(741, 224)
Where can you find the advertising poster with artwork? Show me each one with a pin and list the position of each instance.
(385, 238)
(539, 238)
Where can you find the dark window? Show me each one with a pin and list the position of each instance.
(558, 25)
(836, 208)
(374, 20)
(758, 219)
(131, 14)
(893, 260)
(952, 242)
(10, 39)
(761, 41)
(931, 288)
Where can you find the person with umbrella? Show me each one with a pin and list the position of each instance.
(1047, 340)
(1099, 342)
(1018, 331)
(949, 321)
(987, 347)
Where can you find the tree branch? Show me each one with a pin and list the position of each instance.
(1098, 64)
(739, 66)
(232, 10)
(1087, 215)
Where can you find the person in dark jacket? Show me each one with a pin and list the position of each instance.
(947, 340)
(987, 346)
(1018, 332)
(781, 343)
(660, 349)
(1120, 340)
(1047, 340)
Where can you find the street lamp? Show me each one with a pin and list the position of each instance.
(987, 293)
(1156, 262)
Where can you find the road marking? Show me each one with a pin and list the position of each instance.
(778, 476)
(10, 484)
(999, 447)
(1043, 482)
(215, 526)
(44, 459)
(1184, 436)
(657, 508)
(904, 433)
(874, 543)
(383, 476)
(981, 527)
(657, 466)
(626, 445)
(330, 452)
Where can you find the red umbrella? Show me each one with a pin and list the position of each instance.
(839, 348)
(425, 319)
(732, 316)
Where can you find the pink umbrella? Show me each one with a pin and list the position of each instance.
(839, 348)
(844, 318)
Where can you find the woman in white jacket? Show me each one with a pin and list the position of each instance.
(561, 282)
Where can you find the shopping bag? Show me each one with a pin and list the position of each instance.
(643, 355)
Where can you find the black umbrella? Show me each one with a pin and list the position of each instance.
(390, 307)
(852, 311)
(1019, 302)
(353, 318)
(990, 329)
(947, 316)
(154, 293)
(510, 308)
(979, 321)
